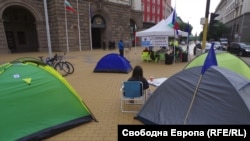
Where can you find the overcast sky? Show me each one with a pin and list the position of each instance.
(193, 10)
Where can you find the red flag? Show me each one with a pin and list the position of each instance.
(174, 24)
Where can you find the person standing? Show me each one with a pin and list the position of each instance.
(151, 53)
(176, 43)
(110, 45)
(121, 48)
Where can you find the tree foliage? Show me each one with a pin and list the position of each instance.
(185, 27)
(216, 32)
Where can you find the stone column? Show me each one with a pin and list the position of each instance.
(42, 36)
(3, 39)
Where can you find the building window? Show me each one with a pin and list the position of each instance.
(237, 28)
(131, 2)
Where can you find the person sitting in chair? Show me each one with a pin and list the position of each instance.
(146, 54)
(161, 50)
(151, 53)
(137, 75)
(145, 50)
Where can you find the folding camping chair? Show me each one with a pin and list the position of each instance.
(132, 96)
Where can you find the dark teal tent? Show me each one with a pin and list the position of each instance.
(220, 96)
(113, 63)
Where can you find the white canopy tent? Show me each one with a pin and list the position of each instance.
(162, 28)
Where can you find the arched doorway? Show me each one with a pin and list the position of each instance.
(20, 29)
(98, 27)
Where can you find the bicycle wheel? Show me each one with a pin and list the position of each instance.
(62, 68)
(71, 67)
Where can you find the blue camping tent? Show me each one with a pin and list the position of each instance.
(113, 63)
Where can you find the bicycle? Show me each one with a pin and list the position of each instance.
(61, 67)
(61, 58)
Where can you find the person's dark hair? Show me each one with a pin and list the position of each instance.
(137, 72)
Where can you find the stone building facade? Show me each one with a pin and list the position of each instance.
(23, 25)
(235, 14)
(240, 28)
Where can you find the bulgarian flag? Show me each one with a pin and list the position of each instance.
(174, 23)
(69, 7)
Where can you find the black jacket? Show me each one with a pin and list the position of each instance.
(143, 80)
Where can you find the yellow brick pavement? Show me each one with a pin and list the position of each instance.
(100, 91)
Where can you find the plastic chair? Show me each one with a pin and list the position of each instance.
(132, 95)
(161, 57)
(145, 56)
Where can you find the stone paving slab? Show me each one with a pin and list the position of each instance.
(101, 91)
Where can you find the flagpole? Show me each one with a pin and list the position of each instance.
(66, 26)
(47, 28)
(188, 41)
(209, 61)
(135, 30)
(79, 33)
(174, 46)
(174, 31)
(174, 28)
(90, 32)
(135, 49)
(192, 101)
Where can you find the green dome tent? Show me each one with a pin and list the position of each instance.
(36, 102)
(225, 60)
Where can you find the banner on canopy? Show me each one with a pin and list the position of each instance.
(155, 41)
